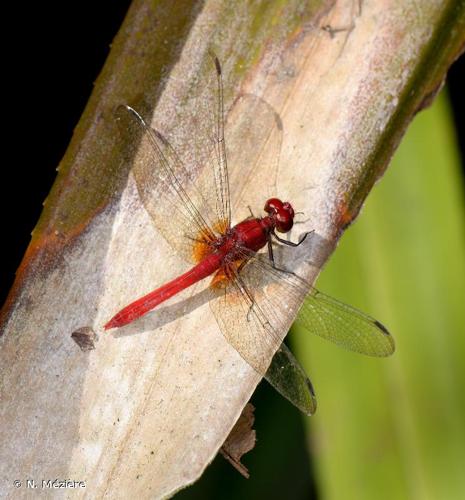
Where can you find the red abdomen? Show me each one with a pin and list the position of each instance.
(146, 303)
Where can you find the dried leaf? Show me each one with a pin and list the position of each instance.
(85, 338)
(240, 440)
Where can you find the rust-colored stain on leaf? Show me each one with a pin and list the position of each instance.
(240, 440)
(345, 216)
(41, 256)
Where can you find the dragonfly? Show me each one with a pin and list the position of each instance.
(251, 297)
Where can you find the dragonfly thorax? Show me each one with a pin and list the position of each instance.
(281, 213)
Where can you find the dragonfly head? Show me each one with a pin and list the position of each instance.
(281, 213)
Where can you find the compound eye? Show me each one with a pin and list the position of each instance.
(273, 205)
(284, 221)
(288, 207)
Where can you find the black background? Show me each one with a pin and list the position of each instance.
(53, 58)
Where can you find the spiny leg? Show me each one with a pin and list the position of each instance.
(290, 243)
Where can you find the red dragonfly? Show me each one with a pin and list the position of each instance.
(250, 296)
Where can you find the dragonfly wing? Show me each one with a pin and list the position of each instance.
(287, 376)
(206, 152)
(184, 183)
(327, 317)
(344, 325)
(252, 315)
(254, 132)
(166, 188)
(223, 198)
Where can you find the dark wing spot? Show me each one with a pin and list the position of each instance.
(382, 327)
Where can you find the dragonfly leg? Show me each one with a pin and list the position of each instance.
(271, 255)
(245, 291)
(270, 251)
(290, 243)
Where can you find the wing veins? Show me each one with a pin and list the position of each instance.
(175, 183)
(338, 322)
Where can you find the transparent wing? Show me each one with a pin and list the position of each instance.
(344, 325)
(184, 182)
(323, 315)
(252, 314)
(223, 199)
(256, 304)
(245, 142)
(238, 149)
(206, 151)
(287, 376)
(166, 188)
(254, 134)
(187, 204)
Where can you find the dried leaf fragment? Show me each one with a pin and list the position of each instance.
(85, 338)
(240, 440)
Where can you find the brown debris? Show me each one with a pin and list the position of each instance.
(85, 338)
(240, 440)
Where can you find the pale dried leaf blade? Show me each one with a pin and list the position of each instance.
(240, 440)
(344, 103)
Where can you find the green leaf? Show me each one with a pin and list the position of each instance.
(394, 428)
